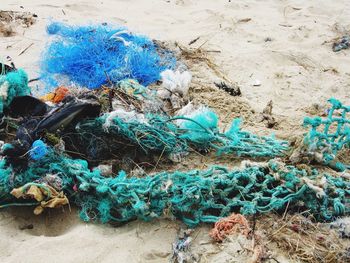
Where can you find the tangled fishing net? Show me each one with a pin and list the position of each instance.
(129, 117)
(91, 56)
(193, 197)
(12, 84)
(329, 135)
(173, 136)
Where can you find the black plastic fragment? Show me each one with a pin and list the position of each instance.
(232, 90)
(24, 106)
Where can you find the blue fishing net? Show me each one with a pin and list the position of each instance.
(38, 150)
(91, 56)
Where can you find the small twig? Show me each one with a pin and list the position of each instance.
(285, 25)
(63, 12)
(32, 80)
(244, 20)
(213, 51)
(110, 99)
(24, 50)
(203, 44)
(108, 79)
(193, 41)
(285, 211)
(196, 236)
(254, 224)
(160, 157)
(274, 260)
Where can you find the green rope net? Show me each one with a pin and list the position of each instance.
(193, 196)
(11, 85)
(157, 133)
(327, 136)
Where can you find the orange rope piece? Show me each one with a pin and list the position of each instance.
(235, 223)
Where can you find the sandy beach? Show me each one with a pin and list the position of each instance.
(273, 50)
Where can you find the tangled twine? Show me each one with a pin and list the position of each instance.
(235, 223)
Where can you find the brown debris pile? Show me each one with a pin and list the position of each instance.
(11, 19)
(266, 115)
(305, 240)
(203, 90)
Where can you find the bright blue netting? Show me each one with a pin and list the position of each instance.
(91, 56)
(38, 150)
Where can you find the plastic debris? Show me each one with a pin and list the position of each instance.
(343, 43)
(181, 248)
(4, 69)
(230, 89)
(257, 83)
(122, 103)
(174, 88)
(133, 88)
(155, 133)
(45, 196)
(54, 120)
(342, 226)
(26, 106)
(176, 82)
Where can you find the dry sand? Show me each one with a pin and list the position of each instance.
(282, 44)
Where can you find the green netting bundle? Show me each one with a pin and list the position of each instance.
(174, 135)
(11, 85)
(328, 136)
(199, 127)
(152, 135)
(193, 197)
(205, 196)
